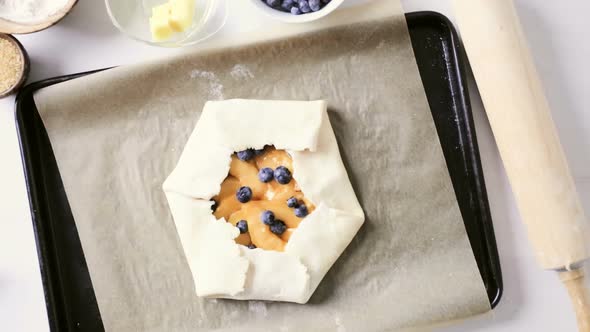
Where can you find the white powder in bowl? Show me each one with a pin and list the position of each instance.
(29, 11)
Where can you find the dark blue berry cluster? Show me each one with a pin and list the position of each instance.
(276, 226)
(300, 208)
(281, 174)
(248, 154)
(297, 7)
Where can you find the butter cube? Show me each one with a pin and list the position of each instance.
(162, 10)
(159, 25)
(182, 13)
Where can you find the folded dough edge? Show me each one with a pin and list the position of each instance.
(223, 269)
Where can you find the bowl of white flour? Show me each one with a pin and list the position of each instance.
(25, 16)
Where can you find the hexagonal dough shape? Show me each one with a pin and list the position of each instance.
(222, 268)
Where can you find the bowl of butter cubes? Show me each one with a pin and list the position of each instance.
(168, 23)
(297, 11)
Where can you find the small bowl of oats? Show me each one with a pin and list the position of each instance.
(14, 65)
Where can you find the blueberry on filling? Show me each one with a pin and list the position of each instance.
(267, 217)
(282, 175)
(278, 227)
(266, 175)
(301, 211)
(246, 154)
(244, 194)
(242, 225)
(292, 202)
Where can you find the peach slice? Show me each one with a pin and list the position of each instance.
(273, 158)
(247, 173)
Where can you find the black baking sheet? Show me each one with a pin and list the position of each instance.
(71, 304)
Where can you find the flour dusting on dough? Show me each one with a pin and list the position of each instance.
(234, 314)
(258, 307)
(241, 72)
(215, 86)
(339, 326)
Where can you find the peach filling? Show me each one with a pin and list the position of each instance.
(271, 196)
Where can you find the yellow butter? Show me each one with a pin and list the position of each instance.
(181, 14)
(162, 10)
(159, 25)
(160, 29)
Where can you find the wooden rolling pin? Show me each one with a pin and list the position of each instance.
(526, 136)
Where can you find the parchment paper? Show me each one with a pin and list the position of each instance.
(117, 134)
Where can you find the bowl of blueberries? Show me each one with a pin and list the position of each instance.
(297, 11)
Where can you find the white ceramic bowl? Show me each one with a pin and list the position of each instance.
(290, 18)
(132, 18)
(11, 27)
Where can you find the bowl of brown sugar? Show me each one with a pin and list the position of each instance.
(14, 65)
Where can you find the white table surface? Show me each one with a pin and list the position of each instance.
(533, 299)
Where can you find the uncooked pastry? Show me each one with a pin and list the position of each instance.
(221, 268)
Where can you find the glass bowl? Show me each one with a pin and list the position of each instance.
(132, 18)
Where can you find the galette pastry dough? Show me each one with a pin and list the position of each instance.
(222, 268)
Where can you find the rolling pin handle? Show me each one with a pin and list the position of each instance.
(575, 282)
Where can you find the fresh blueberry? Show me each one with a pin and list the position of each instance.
(314, 5)
(251, 246)
(278, 227)
(242, 225)
(273, 3)
(214, 206)
(267, 217)
(246, 154)
(282, 175)
(326, 1)
(295, 11)
(259, 152)
(244, 194)
(292, 202)
(287, 4)
(301, 211)
(304, 6)
(266, 175)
